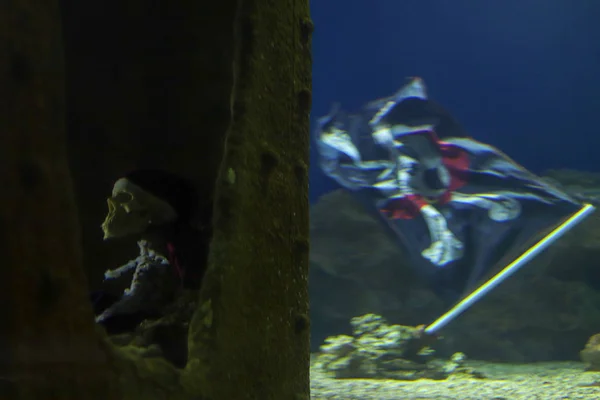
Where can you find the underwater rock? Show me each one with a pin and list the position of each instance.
(377, 350)
(165, 336)
(543, 313)
(591, 353)
(338, 222)
(582, 185)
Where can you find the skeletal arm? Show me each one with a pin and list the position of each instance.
(414, 160)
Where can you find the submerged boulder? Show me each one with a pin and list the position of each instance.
(546, 311)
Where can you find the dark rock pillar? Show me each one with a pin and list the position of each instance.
(250, 336)
(218, 92)
(48, 345)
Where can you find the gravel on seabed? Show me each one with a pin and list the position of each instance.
(540, 381)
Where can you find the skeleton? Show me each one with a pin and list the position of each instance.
(132, 210)
(146, 290)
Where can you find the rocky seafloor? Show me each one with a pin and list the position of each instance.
(379, 360)
(543, 381)
(546, 312)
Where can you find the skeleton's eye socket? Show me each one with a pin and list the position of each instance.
(122, 197)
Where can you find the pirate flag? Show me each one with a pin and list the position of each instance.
(458, 207)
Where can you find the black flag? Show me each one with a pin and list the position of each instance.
(459, 207)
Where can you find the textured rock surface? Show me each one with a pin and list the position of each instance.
(545, 312)
(249, 338)
(49, 348)
(161, 85)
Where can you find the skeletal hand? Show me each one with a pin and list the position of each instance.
(448, 248)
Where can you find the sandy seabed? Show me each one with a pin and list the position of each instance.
(543, 381)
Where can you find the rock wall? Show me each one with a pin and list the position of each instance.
(216, 92)
(546, 311)
(49, 347)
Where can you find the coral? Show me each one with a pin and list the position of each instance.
(378, 350)
(591, 353)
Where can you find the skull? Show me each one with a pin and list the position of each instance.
(132, 210)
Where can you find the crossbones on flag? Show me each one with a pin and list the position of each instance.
(458, 207)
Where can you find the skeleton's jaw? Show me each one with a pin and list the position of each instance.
(118, 226)
(107, 234)
(106, 224)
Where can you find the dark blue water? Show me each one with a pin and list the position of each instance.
(523, 75)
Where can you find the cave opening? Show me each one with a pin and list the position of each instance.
(138, 110)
